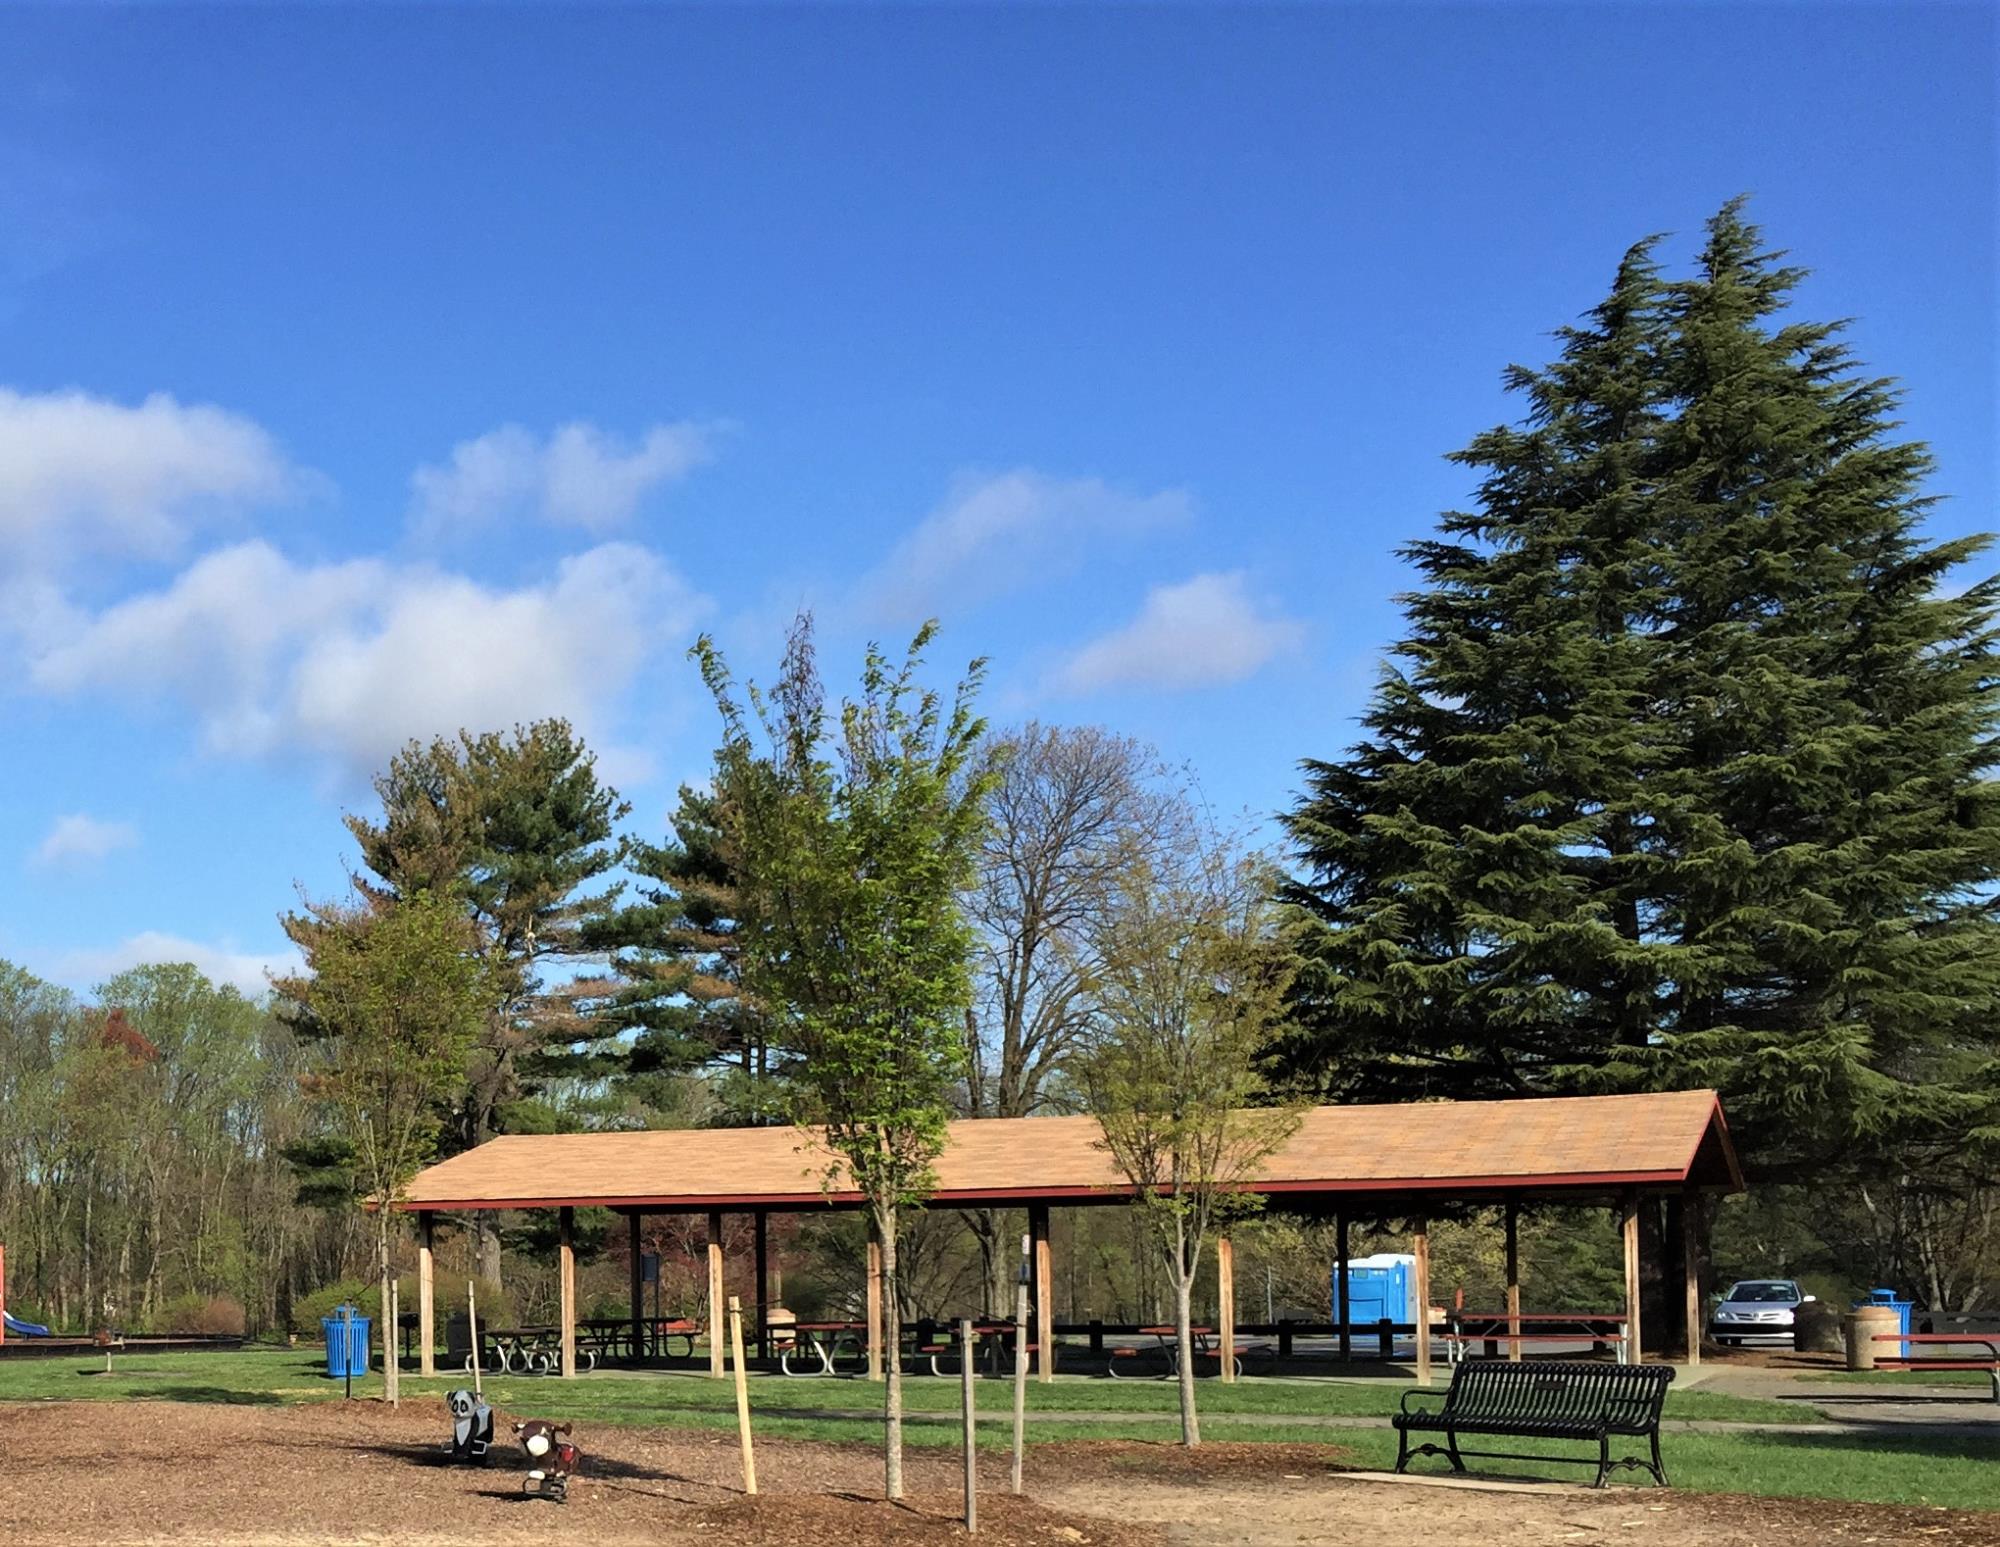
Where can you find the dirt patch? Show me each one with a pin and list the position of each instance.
(213, 1475)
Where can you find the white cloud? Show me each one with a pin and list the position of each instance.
(347, 661)
(249, 971)
(84, 475)
(993, 534)
(578, 476)
(1201, 633)
(78, 840)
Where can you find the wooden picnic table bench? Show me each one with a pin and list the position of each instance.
(1990, 1341)
(1550, 1400)
(1598, 1328)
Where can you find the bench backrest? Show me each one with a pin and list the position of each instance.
(1562, 1390)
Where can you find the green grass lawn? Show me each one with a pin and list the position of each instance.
(1913, 1378)
(1838, 1464)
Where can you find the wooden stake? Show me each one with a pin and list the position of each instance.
(969, 1402)
(472, 1328)
(742, 1394)
(1021, 1361)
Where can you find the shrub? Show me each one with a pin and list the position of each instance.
(211, 1315)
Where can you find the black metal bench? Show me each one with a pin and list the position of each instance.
(1552, 1400)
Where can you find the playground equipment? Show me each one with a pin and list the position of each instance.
(471, 1425)
(554, 1459)
(13, 1326)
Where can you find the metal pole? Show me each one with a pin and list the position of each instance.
(970, 1404)
(346, 1350)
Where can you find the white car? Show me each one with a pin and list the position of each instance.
(1757, 1310)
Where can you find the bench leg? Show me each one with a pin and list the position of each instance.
(1659, 1466)
(1451, 1450)
(1603, 1459)
(1402, 1450)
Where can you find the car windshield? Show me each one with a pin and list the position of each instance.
(1764, 1289)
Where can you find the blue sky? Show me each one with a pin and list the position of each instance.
(368, 372)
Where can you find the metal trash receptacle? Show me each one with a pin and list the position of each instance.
(346, 1343)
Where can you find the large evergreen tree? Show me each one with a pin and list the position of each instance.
(674, 1004)
(1684, 776)
(520, 831)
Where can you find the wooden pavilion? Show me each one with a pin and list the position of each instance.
(1403, 1161)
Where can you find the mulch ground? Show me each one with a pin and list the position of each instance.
(121, 1474)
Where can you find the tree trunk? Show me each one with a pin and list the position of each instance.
(486, 1239)
(389, 1368)
(1184, 1340)
(892, 1359)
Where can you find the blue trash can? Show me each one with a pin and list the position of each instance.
(1902, 1308)
(346, 1343)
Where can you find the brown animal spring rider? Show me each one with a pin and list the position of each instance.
(1552, 1400)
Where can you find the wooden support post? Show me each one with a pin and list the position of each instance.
(1342, 1307)
(426, 1294)
(1691, 1271)
(763, 1300)
(1021, 1360)
(874, 1303)
(1225, 1306)
(742, 1395)
(717, 1333)
(635, 1278)
(1045, 1296)
(1634, 1345)
(566, 1287)
(1421, 1245)
(1513, 1281)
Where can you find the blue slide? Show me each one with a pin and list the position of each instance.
(23, 1329)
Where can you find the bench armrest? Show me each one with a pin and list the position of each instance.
(1419, 1391)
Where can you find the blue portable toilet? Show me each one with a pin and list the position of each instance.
(346, 1342)
(1902, 1308)
(1379, 1288)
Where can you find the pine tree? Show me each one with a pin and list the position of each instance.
(674, 1004)
(1685, 776)
(517, 828)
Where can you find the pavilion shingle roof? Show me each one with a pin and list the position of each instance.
(1553, 1146)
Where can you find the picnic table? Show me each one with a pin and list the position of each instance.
(1990, 1341)
(1168, 1348)
(1464, 1328)
(820, 1343)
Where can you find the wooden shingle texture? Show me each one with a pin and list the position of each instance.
(1555, 1146)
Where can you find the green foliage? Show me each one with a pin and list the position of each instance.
(851, 844)
(199, 1313)
(1188, 992)
(1685, 776)
(400, 1000)
(517, 828)
(674, 1004)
